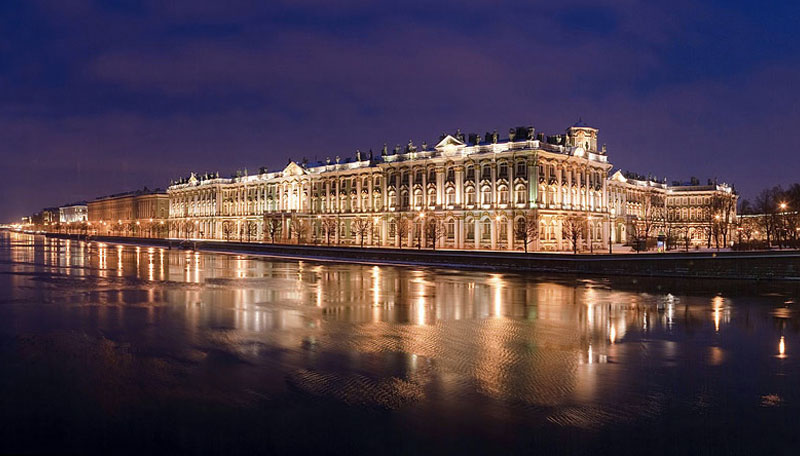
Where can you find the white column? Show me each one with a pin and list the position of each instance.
(459, 185)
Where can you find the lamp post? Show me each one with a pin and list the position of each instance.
(419, 231)
(611, 215)
(784, 234)
(717, 217)
(497, 232)
(318, 226)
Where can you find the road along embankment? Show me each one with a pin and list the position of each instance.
(769, 266)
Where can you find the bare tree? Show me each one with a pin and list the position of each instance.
(300, 229)
(328, 226)
(574, 228)
(361, 228)
(746, 228)
(130, 228)
(672, 219)
(527, 229)
(767, 205)
(272, 227)
(251, 228)
(227, 229)
(652, 213)
(686, 231)
(188, 228)
(435, 229)
(402, 227)
(721, 214)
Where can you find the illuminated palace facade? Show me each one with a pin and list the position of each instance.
(688, 213)
(140, 213)
(480, 190)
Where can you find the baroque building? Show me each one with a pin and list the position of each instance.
(138, 213)
(465, 192)
(684, 214)
(73, 213)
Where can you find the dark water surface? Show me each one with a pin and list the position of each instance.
(136, 350)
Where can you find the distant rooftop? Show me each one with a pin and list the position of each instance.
(140, 192)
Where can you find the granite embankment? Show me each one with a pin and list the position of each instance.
(761, 266)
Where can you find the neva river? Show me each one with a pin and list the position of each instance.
(111, 349)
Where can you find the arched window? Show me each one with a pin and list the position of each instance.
(451, 175)
(521, 196)
(503, 171)
(418, 198)
(502, 195)
(522, 170)
(471, 173)
(486, 230)
(450, 196)
(486, 195)
(469, 195)
(431, 197)
(451, 230)
(486, 172)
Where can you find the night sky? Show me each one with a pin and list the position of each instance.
(103, 97)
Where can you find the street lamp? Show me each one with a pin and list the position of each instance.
(611, 214)
(419, 231)
(782, 231)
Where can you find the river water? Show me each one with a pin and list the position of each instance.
(130, 350)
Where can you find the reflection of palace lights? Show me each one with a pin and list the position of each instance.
(717, 304)
(782, 348)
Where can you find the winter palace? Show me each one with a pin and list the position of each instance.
(465, 192)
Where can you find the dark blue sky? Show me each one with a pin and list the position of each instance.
(101, 97)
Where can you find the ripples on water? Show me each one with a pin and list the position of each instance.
(128, 349)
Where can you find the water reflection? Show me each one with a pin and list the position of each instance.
(569, 351)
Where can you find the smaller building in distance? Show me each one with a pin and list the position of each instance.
(140, 213)
(46, 219)
(681, 214)
(74, 213)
